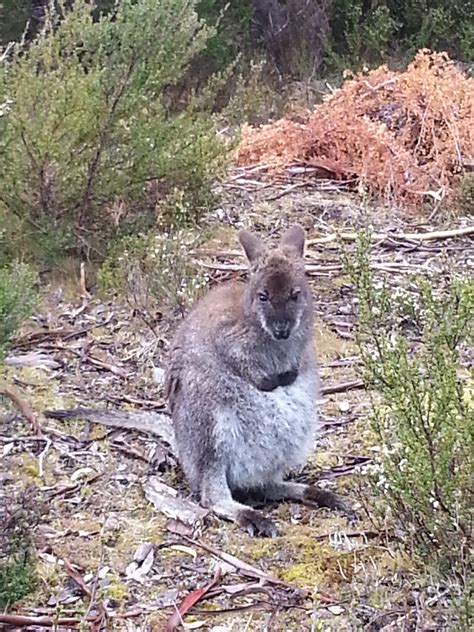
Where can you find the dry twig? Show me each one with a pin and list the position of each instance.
(23, 406)
(342, 387)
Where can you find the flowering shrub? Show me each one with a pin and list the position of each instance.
(416, 345)
(155, 272)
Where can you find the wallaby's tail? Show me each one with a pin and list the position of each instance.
(155, 423)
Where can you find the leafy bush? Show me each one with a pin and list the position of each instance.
(364, 33)
(233, 34)
(358, 35)
(17, 300)
(90, 129)
(415, 344)
(155, 272)
(16, 579)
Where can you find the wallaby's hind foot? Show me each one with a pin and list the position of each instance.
(309, 495)
(314, 495)
(256, 523)
(216, 495)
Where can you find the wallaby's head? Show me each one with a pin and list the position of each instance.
(278, 295)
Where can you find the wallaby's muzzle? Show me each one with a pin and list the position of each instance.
(282, 331)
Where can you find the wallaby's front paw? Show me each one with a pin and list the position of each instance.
(324, 498)
(257, 524)
(287, 378)
(271, 382)
(268, 383)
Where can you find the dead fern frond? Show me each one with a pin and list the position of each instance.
(407, 135)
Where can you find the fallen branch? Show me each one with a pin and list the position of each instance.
(240, 267)
(428, 236)
(158, 424)
(35, 359)
(188, 602)
(107, 366)
(244, 567)
(363, 533)
(167, 500)
(53, 622)
(23, 406)
(344, 236)
(342, 387)
(18, 619)
(40, 337)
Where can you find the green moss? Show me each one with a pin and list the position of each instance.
(317, 563)
(304, 574)
(116, 590)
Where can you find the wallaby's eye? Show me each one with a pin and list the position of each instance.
(294, 294)
(263, 296)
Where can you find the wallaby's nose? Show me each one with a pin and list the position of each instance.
(281, 331)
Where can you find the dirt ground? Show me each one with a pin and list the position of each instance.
(107, 555)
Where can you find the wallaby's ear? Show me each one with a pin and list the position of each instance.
(294, 238)
(252, 245)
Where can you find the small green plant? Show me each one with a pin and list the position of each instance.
(18, 516)
(155, 272)
(233, 28)
(415, 344)
(17, 299)
(252, 97)
(16, 579)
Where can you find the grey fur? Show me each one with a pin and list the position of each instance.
(242, 385)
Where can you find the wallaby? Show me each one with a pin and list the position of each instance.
(242, 386)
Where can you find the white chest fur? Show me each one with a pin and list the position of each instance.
(269, 433)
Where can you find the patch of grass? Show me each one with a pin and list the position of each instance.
(466, 201)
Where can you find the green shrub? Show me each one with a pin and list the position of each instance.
(155, 272)
(358, 35)
(368, 32)
(415, 344)
(233, 34)
(17, 300)
(90, 129)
